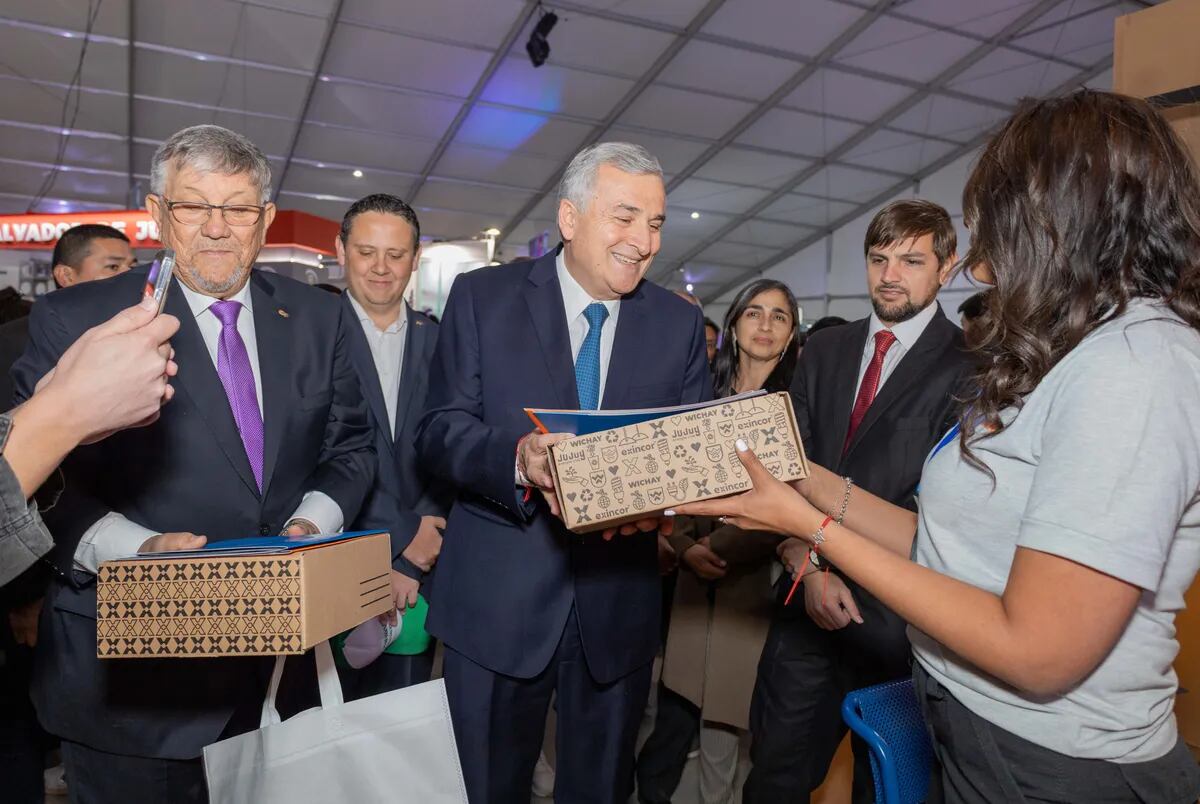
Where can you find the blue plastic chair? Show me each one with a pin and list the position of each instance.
(888, 719)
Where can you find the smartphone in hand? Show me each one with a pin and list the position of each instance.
(159, 278)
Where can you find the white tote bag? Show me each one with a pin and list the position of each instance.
(397, 747)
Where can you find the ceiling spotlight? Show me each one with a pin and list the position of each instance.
(537, 47)
(358, 174)
(690, 287)
(493, 232)
(695, 215)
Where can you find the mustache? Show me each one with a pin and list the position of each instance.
(891, 287)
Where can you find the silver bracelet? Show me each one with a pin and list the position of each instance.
(845, 502)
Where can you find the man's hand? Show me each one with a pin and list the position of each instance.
(667, 560)
(703, 561)
(164, 542)
(533, 458)
(23, 620)
(404, 596)
(115, 375)
(300, 527)
(794, 555)
(665, 526)
(426, 546)
(830, 607)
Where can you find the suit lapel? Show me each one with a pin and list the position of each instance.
(364, 364)
(199, 380)
(272, 330)
(845, 386)
(628, 343)
(414, 347)
(910, 368)
(545, 302)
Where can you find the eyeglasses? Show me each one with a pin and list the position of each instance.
(193, 213)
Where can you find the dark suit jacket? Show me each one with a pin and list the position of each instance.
(912, 410)
(510, 572)
(404, 492)
(189, 472)
(13, 337)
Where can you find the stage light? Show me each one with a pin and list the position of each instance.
(537, 47)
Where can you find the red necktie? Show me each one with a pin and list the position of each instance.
(870, 383)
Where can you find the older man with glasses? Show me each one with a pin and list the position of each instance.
(268, 432)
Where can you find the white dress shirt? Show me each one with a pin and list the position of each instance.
(575, 301)
(387, 350)
(113, 536)
(906, 332)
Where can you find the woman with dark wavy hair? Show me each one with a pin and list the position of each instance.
(1059, 522)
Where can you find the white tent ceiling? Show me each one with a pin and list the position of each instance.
(775, 120)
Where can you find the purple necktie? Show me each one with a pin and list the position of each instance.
(233, 367)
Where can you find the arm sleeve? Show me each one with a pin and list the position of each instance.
(113, 536)
(346, 471)
(1119, 458)
(453, 440)
(321, 511)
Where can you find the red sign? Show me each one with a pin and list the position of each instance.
(43, 231)
(37, 231)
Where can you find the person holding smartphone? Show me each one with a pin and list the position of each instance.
(1059, 521)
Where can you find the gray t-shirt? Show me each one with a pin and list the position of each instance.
(1101, 466)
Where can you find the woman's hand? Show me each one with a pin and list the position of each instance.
(771, 505)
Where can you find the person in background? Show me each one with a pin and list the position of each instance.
(524, 607)
(88, 252)
(378, 247)
(722, 604)
(712, 334)
(871, 398)
(84, 253)
(971, 313)
(1059, 524)
(268, 433)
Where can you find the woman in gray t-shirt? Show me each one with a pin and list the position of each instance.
(1059, 523)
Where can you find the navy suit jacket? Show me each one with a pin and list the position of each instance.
(403, 492)
(509, 571)
(189, 472)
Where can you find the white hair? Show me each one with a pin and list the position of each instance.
(211, 149)
(579, 179)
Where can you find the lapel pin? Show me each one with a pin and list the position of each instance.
(282, 312)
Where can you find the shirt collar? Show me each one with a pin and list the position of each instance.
(906, 332)
(396, 326)
(575, 298)
(200, 303)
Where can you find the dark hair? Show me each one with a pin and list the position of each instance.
(974, 305)
(725, 365)
(76, 243)
(1078, 205)
(708, 322)
(826, 322)
(380, 202)
(911, 218)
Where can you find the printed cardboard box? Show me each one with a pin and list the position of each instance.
(243, 605)
(620, 475)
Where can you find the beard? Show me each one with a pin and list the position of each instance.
(895, 313)
(217, 288)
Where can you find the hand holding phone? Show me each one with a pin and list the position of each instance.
(159, 278)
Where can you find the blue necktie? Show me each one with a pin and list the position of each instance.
(587, 362)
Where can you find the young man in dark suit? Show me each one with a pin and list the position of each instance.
(525, 607)
(872, 398)
(267, 432)
(378, 247)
